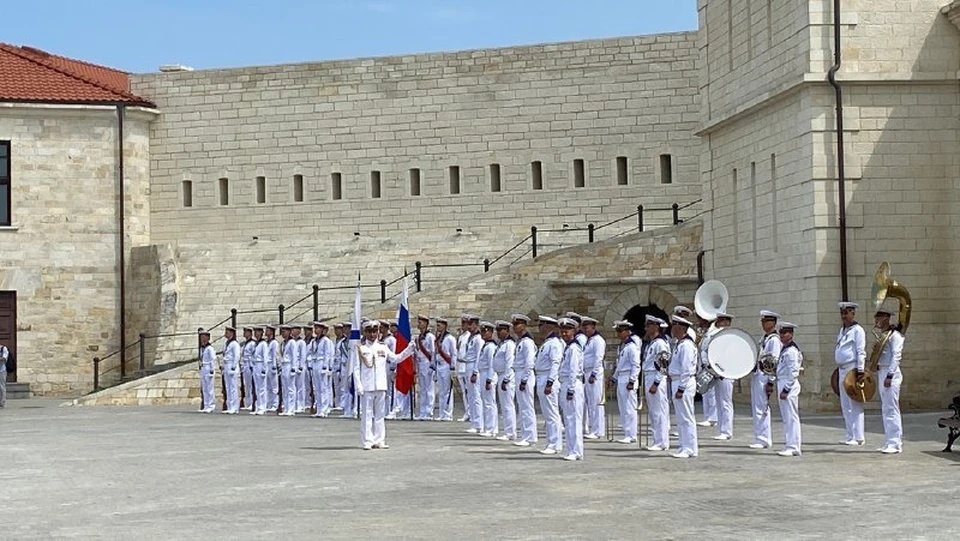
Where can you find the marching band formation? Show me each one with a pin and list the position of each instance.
(501, 371)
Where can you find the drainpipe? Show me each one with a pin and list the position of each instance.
(122, 263)
(832, 76)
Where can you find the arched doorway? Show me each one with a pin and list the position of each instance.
(637, 315)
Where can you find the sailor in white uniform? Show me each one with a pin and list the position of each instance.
(474, 384)
(759, 397)
(524, 362)
(593, 351)
(706, 329)
(487, 378)
(723, 391)
(259, 372)
(446, 361)
(248, 350)
(348, 401)
(547, 367)
(850, 355)
(207, 366)
(570, 374)
(370, 376)
(324, 369)
(788, 385)
(288, 371)
(889, 374)
(656, 360)
(503, 359)
(231, 371)
(628, 379)
(463, 378)
(271, 361)
(426, 369)
(683, 372)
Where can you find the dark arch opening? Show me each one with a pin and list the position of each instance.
(638, 316)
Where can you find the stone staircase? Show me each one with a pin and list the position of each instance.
(17, 391)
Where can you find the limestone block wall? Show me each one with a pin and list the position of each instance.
(61, 255)
(176, 387)
(486, 141)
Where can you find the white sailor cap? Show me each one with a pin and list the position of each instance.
(664, 325)
(270, 327)
(724, 315)
(383, 323)
(682, 311)
(588, 321)
(472, 317)
(442, 320)
(884, 312)
(567, 323)
(546, 319)
(465, 317)
(786, 326)
(319, 324)
(423, 318)
(574, 316)
(338, 325)
(653, 319)
(767, 314)
(487, 325)
(623, 324)
(284, 327)
(847, 305)
(202, 332)
(519, 317)
(247, 328)
(348, 324)
(370, 324)
(501, 324)
(230, 328)
(306, 327)
(681, 321)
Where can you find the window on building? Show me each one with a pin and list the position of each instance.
(186, 189)
(622, 175)
(224, 186)
(495, 185)
(536, 174)
(261, 189)
(415, 182)
(336, 186)
(666, 169)
(5, 194)
(579, 179)
(454, 179)
(298, 188)
(375, 184)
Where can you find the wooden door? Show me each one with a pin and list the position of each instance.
(8, 325)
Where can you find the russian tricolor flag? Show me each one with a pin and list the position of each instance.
(405, 377)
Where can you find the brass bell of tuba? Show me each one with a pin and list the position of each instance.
(768, 364)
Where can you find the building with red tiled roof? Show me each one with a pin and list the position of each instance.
(33, 76)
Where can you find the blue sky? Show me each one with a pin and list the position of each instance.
(138, 36)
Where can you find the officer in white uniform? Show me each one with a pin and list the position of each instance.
(487, 379)
(851, 355)
(570, 374)
(503, 359)
(474, 383)
(547, 367)
(723, 390)
(231, 370)
(311, 380)
(463, 378)
(303, 390)
(348, 401)
(788, 385)
(656, 360)
(246, 369)
(207, 366)
(336, 366)
(593, 351)
(424, 355)
(524, 362)
(446, 360)
(709, 398)
(627, 375)
(259, 372)
(891, 377)
(271, 361)
(759, 398)
(370, 375)
(683, 373)
(288, 371)
(326, 361)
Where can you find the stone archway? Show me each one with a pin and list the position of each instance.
(641, 295)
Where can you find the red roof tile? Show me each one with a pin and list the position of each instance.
(32, 75)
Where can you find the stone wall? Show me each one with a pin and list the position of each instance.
(595, 101)
(176, 387)
(61, 255)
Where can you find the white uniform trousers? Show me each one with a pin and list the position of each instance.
(594, 418)
(316, 383)
(346, 399)
(373, 409)
(475, 401)
(335, 389)
(550, 408)
(890, 410)
(491, 415)
(246, 372)
(790, 412)
(723, 391)
(527, 411)
(464, 381)
(573, 416)
(686, 417)
(760, 408)
(658, 410)
(852, 411)
(231, 379)
(288, 382)
(302, 390)
(444, 392)
(259, 373)
(627, 404)
(206, 389)
(326, 388)
(709, 400)
(401, 404)
(272, 387)
(427, 395)
(508, 409)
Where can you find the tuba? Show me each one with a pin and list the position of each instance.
(767, 363)
(883, 286)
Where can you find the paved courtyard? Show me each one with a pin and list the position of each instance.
(170, 473)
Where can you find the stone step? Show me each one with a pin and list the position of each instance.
(18, 390)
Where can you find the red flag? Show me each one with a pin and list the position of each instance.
(405, 376)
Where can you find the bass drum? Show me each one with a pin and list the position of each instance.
(732, 353)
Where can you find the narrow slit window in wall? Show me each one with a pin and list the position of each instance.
(224, 186)
(666, 169)
(375, 184)
(336, 186)
(454, 179)
(261, 190)
(536, 174)
(495, 185)
(415, 182)
(579, 177)
(622, 175)
(298, 188)
(187, 189)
